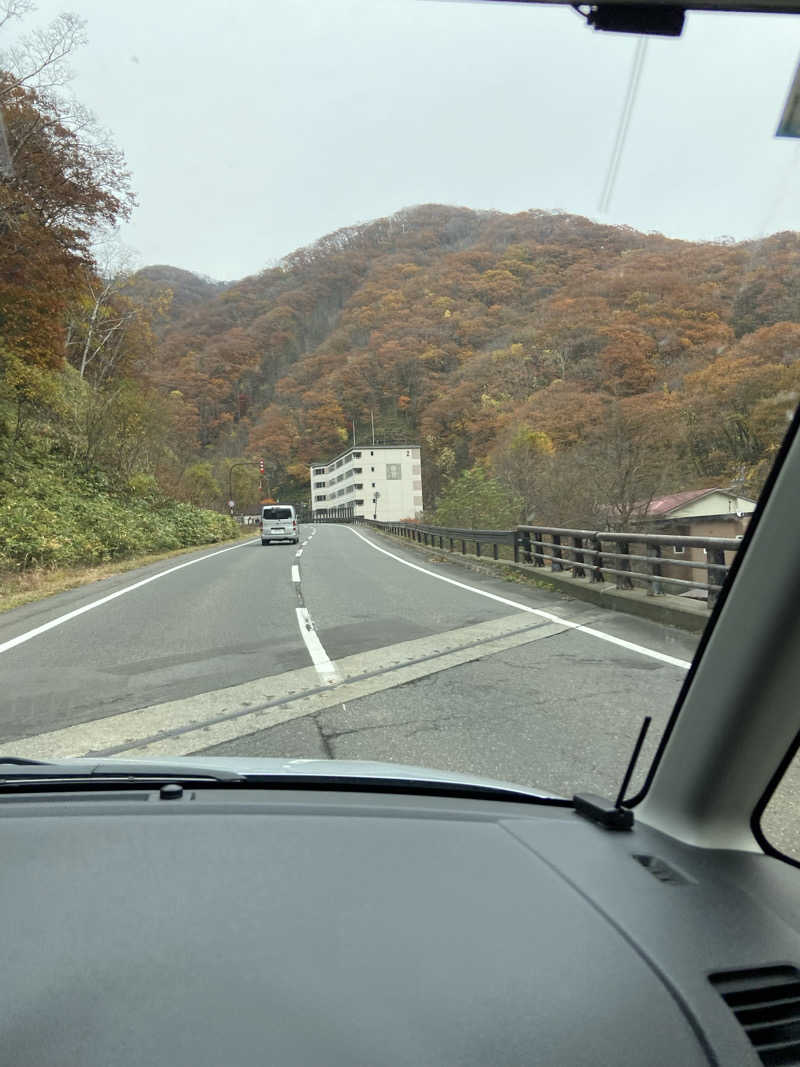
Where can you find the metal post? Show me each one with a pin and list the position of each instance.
(526, 545)
(494, 549)
(537, 554)
(716, 573)
(597, 560)
(623, 581)
(577, 568)
(555, 564)
(654, 586)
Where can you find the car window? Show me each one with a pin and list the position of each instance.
(509, 311)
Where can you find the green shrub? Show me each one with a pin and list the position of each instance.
(54, 516)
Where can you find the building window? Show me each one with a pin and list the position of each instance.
(393, 472)
(358, 503)
(373, 485)
(678, 550)
(356, 455)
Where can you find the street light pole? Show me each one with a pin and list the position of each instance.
(241, 463)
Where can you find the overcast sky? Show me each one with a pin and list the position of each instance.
(254, 129)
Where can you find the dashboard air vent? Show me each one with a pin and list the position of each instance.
(766, 1001)
(661, 870)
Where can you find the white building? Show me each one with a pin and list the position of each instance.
(376, 481)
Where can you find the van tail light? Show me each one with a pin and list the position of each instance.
(294, 524)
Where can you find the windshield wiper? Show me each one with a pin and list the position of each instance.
(22, 762)
(17, 773)
(442, 787)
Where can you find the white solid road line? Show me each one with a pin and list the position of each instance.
(295, 573)
(319, 657)
(651, 653)
(61, 619)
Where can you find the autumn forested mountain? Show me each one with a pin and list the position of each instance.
(549, 366)
(585, 367)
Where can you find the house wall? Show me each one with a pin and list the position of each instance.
(714, 526)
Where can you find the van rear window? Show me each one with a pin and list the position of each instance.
(277, 513)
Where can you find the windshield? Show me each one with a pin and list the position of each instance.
(504, 312)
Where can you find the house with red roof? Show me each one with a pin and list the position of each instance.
(697, 513)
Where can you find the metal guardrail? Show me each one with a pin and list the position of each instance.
(583, 552)
(336, 515)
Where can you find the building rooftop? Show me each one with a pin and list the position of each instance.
(661, 506)
(362, 448)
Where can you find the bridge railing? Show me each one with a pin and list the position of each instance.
(631, 558)
(454, 539)
(337, 515)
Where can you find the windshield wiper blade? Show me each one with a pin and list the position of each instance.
(443, 787)
(18, 773)
(22, 762)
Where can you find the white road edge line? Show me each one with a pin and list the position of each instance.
(590, 631)
(61, 619)
(319, 657)
(295, 573)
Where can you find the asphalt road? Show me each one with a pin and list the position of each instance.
(349, 646)
(343, 651)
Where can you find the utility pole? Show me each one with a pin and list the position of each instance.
(372, 420)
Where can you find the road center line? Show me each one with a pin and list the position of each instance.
(193, 723)
(642, 650)
(61, 619)
(295, 573)
(319, 657)
(298, 553)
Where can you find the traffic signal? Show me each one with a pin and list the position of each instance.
(261, 465)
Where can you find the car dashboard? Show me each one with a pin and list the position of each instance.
(299, 926)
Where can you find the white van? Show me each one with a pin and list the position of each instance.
(279, 523)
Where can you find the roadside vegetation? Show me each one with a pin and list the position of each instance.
(96, 463)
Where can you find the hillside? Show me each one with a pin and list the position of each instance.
(188, 290)
(540, 344)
